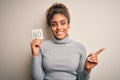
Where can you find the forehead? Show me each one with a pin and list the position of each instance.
(58, 17)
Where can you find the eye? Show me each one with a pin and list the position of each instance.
(53, 24)
(63, 23)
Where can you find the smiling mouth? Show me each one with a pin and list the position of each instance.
(59, 33)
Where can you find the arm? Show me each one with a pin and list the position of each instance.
(81, 73)
(37, 69)
(88, 65)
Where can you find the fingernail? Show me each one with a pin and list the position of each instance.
(88, 58)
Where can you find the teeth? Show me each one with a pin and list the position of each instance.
(59, 32)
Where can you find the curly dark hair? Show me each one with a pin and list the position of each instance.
(57, 8)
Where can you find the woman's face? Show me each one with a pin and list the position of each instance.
(59, 26)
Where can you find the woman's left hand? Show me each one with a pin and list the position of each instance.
(92, 60)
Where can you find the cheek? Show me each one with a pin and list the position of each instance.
(67, 28)
(52, 29)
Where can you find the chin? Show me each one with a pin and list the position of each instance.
(60, 37)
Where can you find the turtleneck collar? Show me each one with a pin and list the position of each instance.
(62, 41)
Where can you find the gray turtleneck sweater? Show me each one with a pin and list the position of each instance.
(60, 60)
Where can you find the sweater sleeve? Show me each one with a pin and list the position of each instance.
(37, 71)
(81, 73)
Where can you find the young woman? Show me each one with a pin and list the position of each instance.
(60, 58)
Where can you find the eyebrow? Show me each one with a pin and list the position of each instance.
(63, 20)
(59, 21)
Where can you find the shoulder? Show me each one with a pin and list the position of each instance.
(79, 45)
(46, 43)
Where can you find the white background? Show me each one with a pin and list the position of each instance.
(95, 23)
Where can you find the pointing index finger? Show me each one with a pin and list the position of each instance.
(99, 51)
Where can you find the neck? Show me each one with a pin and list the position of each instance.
(62, 38)
(62, 41)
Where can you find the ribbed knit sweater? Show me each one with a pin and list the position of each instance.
(60, 60)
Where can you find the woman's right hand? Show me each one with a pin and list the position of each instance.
(35, 46)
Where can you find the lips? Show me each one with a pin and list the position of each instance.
(59, 33)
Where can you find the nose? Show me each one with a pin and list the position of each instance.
(58, 26)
